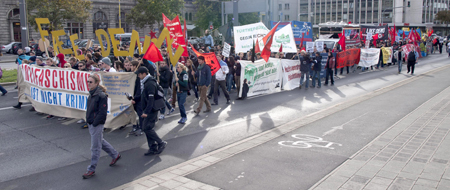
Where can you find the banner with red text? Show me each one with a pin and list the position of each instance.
(210, 60)
(176, 33)
(348, 58)
(64, 92)
(291, 74)
(369, 57)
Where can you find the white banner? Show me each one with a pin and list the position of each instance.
(309, 46)
(369, 57)
(283, 36)
(226, 49)
(291, 74)
(262, 77)
(319, 46)
(244, 36)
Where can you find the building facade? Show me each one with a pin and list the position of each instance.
(104, 14)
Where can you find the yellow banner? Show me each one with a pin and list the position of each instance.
(387, 54)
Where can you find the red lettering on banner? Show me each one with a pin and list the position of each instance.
(86, 76)
(47, 80)
(41, 77)
(61, 80)
(55, 82)
(72, 85)
(348, 58)
(80, 83)
(35, 76)
(31, 71)
(27, 75)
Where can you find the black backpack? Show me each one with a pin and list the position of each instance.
(159, 97)
(411, 56)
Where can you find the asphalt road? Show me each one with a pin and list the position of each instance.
(48, 154)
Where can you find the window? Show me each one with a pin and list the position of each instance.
(345, 17)
(286, 6)
(186, 16)
(122, 22)
(280, 7)
(190, 16)
(74, 28)
(345, 5)
(286, 17)
(100, 21)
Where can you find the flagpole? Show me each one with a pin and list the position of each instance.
(120, 19)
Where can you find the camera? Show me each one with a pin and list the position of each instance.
(129, 97)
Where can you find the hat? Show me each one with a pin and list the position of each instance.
(32, 58)
(40, 58)
(106, 60)
(27, 49)
(142, 70)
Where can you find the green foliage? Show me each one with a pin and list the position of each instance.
(207, 11)
(246, 18)
(443, 16)
(149, 12)
(58, 11)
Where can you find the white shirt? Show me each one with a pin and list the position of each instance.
(112, 70)
(220, 73)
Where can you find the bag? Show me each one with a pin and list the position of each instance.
(411, 56)
(160, 102)
(1, 72)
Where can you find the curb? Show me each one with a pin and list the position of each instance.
(7, 61)
(8, 83)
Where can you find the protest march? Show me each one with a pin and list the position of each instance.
(115, 84)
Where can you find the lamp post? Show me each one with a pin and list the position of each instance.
(120, 19)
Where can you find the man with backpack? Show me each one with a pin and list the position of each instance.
(152, 99)
(412, 60)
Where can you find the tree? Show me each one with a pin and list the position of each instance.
(443, 16)
(149, 12)
(58, 11)
(246, 18)
(207, 11)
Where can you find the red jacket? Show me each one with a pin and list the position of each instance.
(331, 62)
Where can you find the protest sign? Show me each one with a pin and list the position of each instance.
(347, 58)
(210, 60)
(283, 36)
(387, 54)
(319, 46)
(226, 49)
(369, 57)
(176, 33)
(244, 36)
(291, 74)
(309, 47)
(64, 92)
(381, 31)
(262, 77)
(300, 30)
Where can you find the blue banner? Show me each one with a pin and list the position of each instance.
(298, 28)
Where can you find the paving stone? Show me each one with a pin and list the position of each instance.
(381, 180)
(181, 179)
(441, 161)
(159, 188)
(193, 185)
(136, 187)
(444, 183)
(376, 186)
(380, 158)
(360, 179)
(427, 182)
(401, 183)
(181, 188)
(387, 174)
(211, 159)
(189, 168)
(171, 184)
(167, 176)
(209, 187)
(148, 183)
(401, 159)
(431, 176)
(408, 175)
(368, 172)
(421, 187)
(157, 180)
(353, 185)
(421, 160)
(333, 182)
(201, 163)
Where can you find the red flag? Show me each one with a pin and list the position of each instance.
(257, 50)
(176, 33)
(153, 54)
(403, 35)
(342, 40)
(268, 43)
(301, 42)
(281, 48)
(210, 60)
(430, 33)
(375, 38)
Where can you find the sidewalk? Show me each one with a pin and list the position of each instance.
(412, 154)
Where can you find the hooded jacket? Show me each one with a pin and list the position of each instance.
(220, 75)
(305, 63)
(61, 60)
(97, 107)
(165, 76)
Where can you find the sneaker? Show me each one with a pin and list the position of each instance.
(161, 147)
(133, 131)
(326, 84)
(80, 121)
(50, 116)
(318, 86)
(195, 100)
(61, 118)
(161, 117)
(171, 111)
(32, 109)
(180, 120)
(88, 175)
(139, 132)
(85, 126)
(122, 127)
(4, 93)
(183, 120)
(18, 106)
(196, 112)
(152, 151)
(206, 111)
(228, 102)
(16, 87)
(115, 160)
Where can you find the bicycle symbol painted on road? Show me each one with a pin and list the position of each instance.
(308, 141)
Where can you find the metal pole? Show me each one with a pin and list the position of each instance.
(23, 23)
(223, 20)
(235, 12)
(120, 19)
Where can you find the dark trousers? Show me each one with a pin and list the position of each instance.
(329, 73)
(342, 70)
(194, 88)
(2, 89)
(211, 87)
(148, 127)
(411, 65)
(222, 85)
(138, 109)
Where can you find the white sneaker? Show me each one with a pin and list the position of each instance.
(80, 121)
(161, 117)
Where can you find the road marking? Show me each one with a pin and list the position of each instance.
(341, 127)
(308, 141)
(9, 108)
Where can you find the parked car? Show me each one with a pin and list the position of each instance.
(8, 48)
(37, 50)
(16, 47)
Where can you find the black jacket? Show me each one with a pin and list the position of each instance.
(148, 95)
(137, 90)
(97, 107)
(305, 63)
(318, 63)
(165, 76)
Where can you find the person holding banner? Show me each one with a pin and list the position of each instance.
(203, 76)
(331, 62)
(97, 108)
(305, 68)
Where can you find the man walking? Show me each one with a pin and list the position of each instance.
(412, 60)
(165, 76)
(203, 77)
(221, 75)
(305, 68)
(97, 107)
(148, 95)
(316, 72)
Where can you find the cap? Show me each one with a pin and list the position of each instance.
(107, 61)
(141, 70)
(40, 58)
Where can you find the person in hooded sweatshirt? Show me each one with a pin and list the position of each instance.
(62, 62)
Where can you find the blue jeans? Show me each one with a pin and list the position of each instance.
(229, 81)
(399, 65)
(3, 90)
(304, 74)
(163, 111)
(181, 100)
(316, 74)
